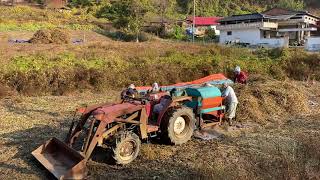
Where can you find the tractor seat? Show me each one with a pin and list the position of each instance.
(158, 110)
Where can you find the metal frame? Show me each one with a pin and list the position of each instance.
(111, 118)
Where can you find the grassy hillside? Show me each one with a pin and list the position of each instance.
(24, 18)
(103, 65)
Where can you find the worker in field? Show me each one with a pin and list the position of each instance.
(129, 92)
(240, 76)
(155, 87)
(231, 102)
(207, 85)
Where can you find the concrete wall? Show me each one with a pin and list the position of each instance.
(313, 44)
(251, 36)
(275, 42)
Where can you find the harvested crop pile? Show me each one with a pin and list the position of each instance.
(56, 36)
(271, 100)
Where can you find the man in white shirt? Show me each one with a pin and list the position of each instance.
(231, 102)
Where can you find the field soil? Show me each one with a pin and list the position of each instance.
(283, 148)
(41, 85)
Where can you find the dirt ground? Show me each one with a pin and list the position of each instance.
(286, 150)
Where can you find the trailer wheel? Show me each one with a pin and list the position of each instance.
(126, 147)
(178, 125)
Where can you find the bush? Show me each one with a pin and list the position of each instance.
(40, 74)
(303, 66)
(178, 33)
(127, 37)
(211, 33)
(81, 3)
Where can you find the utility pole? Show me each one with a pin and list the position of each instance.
(194, 20)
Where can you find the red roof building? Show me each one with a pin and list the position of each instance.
(204, 21)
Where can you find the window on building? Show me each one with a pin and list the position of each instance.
(229, 33)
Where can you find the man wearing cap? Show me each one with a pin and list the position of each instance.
(240, 76)
(155, 87)
(129, 92)
(231, 102)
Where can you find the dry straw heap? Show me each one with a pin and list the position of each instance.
(55, 36)
(271, 100)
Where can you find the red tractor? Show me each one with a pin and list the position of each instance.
(122, 126)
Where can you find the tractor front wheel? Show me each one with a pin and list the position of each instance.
(178, 125)
(126, 147)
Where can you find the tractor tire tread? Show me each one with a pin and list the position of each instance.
(120, 138)
(167, 133)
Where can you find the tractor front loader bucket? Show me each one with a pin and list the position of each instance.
(61, 160)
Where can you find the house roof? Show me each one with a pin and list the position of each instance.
(205, 21)
(274, 13)
(281, 11)
(279, 17)
(242, 17)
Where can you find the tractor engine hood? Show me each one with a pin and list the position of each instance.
(109, 113)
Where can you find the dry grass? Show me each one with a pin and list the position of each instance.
(273, 151)
(28, 122)
(271, 100)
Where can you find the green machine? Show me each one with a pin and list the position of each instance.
(206, 100)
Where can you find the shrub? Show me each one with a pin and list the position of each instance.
(303, 66)
(178, 33)
(211, 33)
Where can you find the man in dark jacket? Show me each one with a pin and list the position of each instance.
(129, 92)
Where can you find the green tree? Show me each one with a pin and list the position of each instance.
(164, 8)
(127, 15)
(211, 33)
(184, 6)
(291, 4)
(178, 33)
(81, 3)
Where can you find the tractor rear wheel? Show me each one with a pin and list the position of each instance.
(178, 125)
(126, 148)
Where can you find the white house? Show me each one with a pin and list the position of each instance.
(275, 28)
